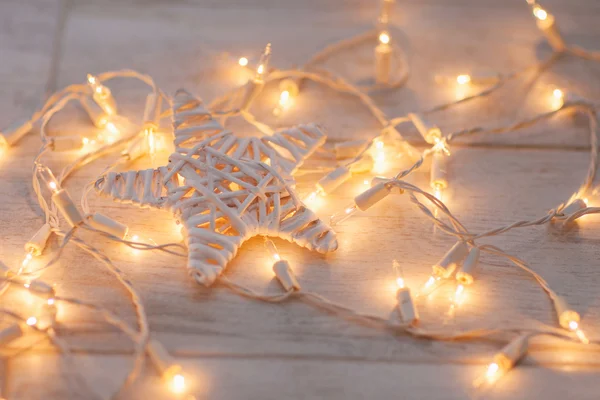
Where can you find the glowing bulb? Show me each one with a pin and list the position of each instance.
(573, 325)
(31, 321)
(366, 182)
(438, 192)
(135, 238)
(430, 285)
(398, 271)
(284, 98)
(463, 79)
(92, 80)
(430, 281)
(284, 102)
(582, 336)
(272, 249)
(243, 61)
(27, 260)
(379, 157)
(178, 383)
(459, 290)
(492, 371)
(540, 13)
(384, 38)
(263, 63)
(27, 285)
(50, 301)
(112, 128)
(400, 282)
(586, 201)
(458, 295)
(48, 177)
(557, 93)
(312, 196)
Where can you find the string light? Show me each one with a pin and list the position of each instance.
(60, 197)
(383, 58)
(14, 133)
(445, 266)
(463, 79)
(362, 202)
(569, 319)
(406, 305)
(243, 61)
(171, 372)
(465, 276)
(387, 8)
(102, 95)
(504, 361)
(438, 179)
(283, 104)
(547, 24)
(255, 85)
(281, 268)
(263, 63)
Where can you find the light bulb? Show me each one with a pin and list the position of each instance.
(284, 103)
(93, 82)
(102, 95)
(379, 166)
(48, 177)
(31, 321)
(263, 63)
(50, 301)
(26, 261)
(384, 37)
(243, 61)
(112, 128)
(504, 360)
(540, 13)
(178, 384)
(312, 196)
(363, 202)
(463, 79)
(284, 98)
(398, 272)
(430, 285)
(492, 371)
(343, 215)
(557, 93)
(438, 191)
(458, 294)
(272, 249)
(574, 327)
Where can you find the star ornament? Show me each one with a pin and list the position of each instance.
(224, 189)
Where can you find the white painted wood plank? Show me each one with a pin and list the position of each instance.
(27, 31)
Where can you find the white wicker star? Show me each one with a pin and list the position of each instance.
(224, 189)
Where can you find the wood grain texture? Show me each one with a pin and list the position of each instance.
(237, 348)
(266, 379)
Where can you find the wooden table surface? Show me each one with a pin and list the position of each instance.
(234, 348)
